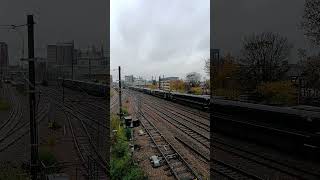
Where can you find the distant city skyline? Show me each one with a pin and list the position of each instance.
(161, 37)
(56, 21)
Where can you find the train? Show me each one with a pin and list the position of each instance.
(94, 89)
(197, 101)
(285, 128)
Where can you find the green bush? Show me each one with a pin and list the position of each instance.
(120, 149)
(54, 125)
(11, 172)
(232, 94)
(125, 112)
(119, 167)
(128, 133)
(196, 90)
(4, 105)
(21, 90)
(46, 156)
(51, 141)
(122, 166)
(280, 92)
(135, 173)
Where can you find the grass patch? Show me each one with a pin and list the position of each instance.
(54, 125)
(4, 105)
(231, 94)
(9, 171)
(122, 166)
(46, 156)
(278, 93)
(125, 111)
(112, 93)
(21, 90)
(51, 142)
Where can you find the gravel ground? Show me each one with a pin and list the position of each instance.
(169, 132)
(146, 150)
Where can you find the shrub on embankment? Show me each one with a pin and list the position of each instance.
(10, 171)
(4, 105)
(122, 166)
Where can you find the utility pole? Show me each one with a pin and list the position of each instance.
(63, 89)
(72, 64)
(90, 69)
(120, 101)
(159, 81)
(33, 123)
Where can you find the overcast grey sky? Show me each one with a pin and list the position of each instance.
(57, 20)
(234, 19)
(159, 37)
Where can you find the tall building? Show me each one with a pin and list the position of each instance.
(92, 56)
(65, 53)
(60, 53)
(129, 80)
(64, 60)
(165, 83)
(4, 60)
(52, 54)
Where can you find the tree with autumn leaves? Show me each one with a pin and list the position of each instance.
(177, 85)
(226, 77)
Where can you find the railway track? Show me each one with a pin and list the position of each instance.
(15, 112)
(86, 149)
(202, 124)
(200, 116)
(73, 103)
(241, 154)
(95, 121)
(179, 168)
(255, 157)
(83, 133)
(20, 131)
(16, 129)
(187, 127)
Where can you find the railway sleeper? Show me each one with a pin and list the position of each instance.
(182, 171)
(176, 164)
(171, 156)
(169, 152)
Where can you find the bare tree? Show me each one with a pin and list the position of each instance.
(311, 20)
(264, 57)
(311, 71)
(302, 54)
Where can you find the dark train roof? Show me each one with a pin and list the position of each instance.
(147, 88)
(93, 83)
(262, 107)
(192, 95)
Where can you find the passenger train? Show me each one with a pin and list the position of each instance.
(95, 89)
(283, 127)
(196, 101)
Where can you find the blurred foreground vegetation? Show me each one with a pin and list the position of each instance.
(4, 105)
(122, 166)
(10, 171)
